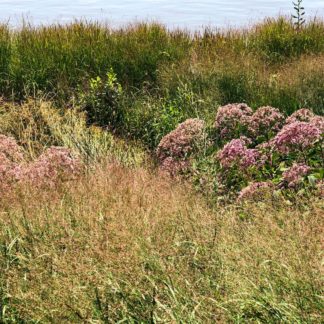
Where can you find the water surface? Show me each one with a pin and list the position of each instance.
(191, 14)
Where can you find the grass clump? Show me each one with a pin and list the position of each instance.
(277, 40)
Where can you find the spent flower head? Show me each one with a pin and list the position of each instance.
(173, 167)
(11, 162)
(56, 163)
(10, 150)
(182, 141)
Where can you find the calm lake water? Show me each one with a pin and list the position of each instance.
(191, 14)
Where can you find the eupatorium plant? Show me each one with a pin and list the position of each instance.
(232, 119)
(176, 147)
(236, 153)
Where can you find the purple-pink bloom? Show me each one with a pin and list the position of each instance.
(176, 146)
(11, 159)
(294, 175)
(56, 163)
(266, 119)
(302, 115)
(230, 118)
(173, 167)
(236, 153)
(255, 190)
(296, 136)
(318, 121)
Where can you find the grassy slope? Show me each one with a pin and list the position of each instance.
(57, 59)
(167, 76)
(123, 244)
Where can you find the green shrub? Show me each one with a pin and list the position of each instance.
(101, 99)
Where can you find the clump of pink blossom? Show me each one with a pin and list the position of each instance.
(266, 120)
(236, 153)
(294, 175)
(296, 136)
(318, 121)
(11, 160)
(180, 143)
(301, 115)
(173, 166)
(10, 150)
(231, 118)
(56, 163)
(255, 190)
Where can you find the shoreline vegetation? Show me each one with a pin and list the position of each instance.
(151, 176)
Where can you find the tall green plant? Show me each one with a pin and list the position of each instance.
(298, 17)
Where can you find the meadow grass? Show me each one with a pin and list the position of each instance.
(124, 243)
(167, 75)
(127, 245)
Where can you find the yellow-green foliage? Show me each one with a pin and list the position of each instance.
(126, 245)
(37, 124)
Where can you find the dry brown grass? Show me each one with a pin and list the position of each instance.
(124, 244)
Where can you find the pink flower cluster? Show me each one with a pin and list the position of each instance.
(298, 133)
(255, 190)
(266, 119)
(236, 153)
(296, 136)
(294, 175)
(230, 118)
(172, 166)
(56, 163)
(175, 147)
(301, 115)
(11, 156)
(306, 115)
(318, 121)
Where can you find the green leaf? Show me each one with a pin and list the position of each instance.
(312, 180)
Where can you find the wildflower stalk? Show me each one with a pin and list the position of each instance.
(299, 15)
